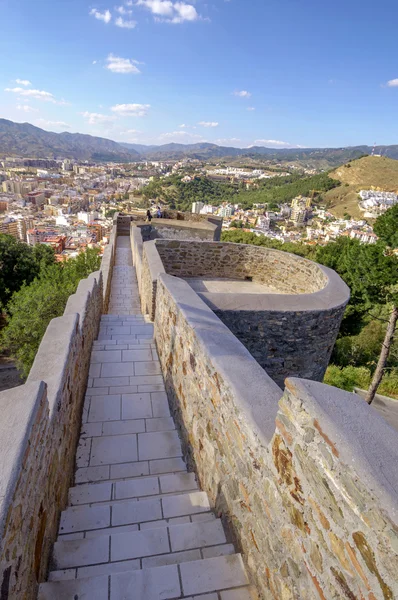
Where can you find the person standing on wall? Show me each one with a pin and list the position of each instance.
(148, 216)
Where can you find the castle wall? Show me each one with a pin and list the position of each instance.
(291, 333)
(308, 487)
(39, 431)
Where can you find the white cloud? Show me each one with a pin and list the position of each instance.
(123, 11)
(97, 118)
(275, 143)
(180, 137)
(170, 12)
(208, 124)
(228, 142)
(95, 62)
(26, 108)
(242, 94)
(131, 110)
(105, 16)
(23, 82)
(120, 22)
(251, 108)
(183, 126)
(56, 124)
(392, 83)
(116, 64)
(129, 132)
(38, 94)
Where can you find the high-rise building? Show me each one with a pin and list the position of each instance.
(197, 207)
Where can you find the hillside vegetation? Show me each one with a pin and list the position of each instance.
(364, 173)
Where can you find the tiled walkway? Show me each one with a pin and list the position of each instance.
(137, 527)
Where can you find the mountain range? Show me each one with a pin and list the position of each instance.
(24, 139)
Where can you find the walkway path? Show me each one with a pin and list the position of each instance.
(137, 527)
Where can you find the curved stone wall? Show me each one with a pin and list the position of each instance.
(291, 331)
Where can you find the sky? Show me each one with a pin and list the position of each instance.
(276, 73)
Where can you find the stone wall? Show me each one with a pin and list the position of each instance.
(39, 430)
(288, 273)
(308, 488)
(290, 333)
(152, 267)
(107, 263)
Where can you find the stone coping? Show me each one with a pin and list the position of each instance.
(19, 407)
(364, 440)
(254, 392)
(154, 261)
(201, 225)
(334, 295)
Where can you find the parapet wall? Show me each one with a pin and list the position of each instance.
(309, 488)
(286, 272)
(39, 430)
(291, 331)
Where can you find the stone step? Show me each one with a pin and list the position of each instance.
(129, 512)
(185, 580)
(93, 493)
(133, 545)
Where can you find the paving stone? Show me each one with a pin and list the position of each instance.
(99, 392)
(114, 567)
(83, 518)
(129, 470)
(78, 553)
(136, 406)
(149, 486)
(106, 356)
(160, 583)
(177, 482)
(94, 371)
(147, 380)
(156, 387)
(136, 511)
(166, 465)
(136, 355)
(83, 452)
(147, 368)
(162, 444)
(92, 588)
(160, 424)
(123, 427)
(93, 492)
(91, 430)
(112, 450)
(105, 408)
(212, 574)
(160, 404)
(62, 575)
(87, 474)
(117, 369)
(138, 544)
(196, 535)
(173, 558)
(200, 518)
(164, 523)
(111, 381)
(222, 550)
(124, 389)
(109, 530)
(186, 504)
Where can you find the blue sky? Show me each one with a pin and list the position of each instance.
(239, 72)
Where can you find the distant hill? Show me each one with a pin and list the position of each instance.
(364, 173)
(24, 139)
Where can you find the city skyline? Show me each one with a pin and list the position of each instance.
(155, 71)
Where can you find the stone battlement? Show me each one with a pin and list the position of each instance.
(305, 480)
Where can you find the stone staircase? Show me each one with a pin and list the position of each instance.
(137, 527)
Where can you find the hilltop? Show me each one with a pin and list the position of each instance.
(364, 173)
(24, 139)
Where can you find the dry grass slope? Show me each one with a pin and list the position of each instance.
(365, 173)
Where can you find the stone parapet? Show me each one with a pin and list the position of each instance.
(291, 328)
(107, 262)
(38, 436)
(307, 486)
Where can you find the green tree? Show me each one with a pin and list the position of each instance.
(20, 264)
(386, 227)
(33, 306)
(371, 272)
